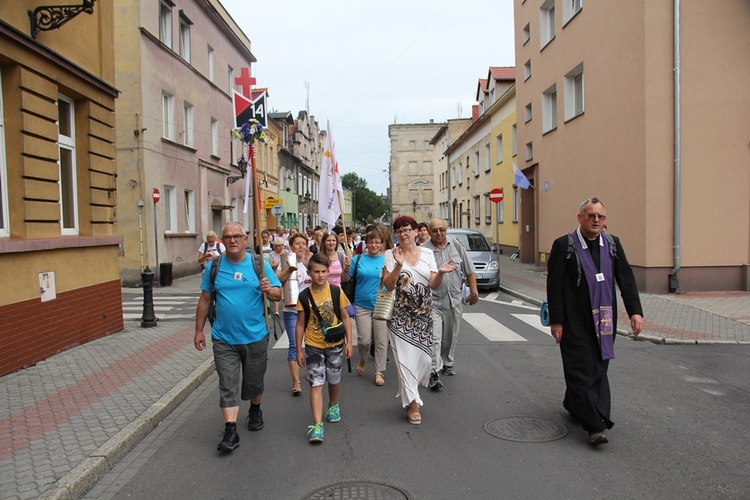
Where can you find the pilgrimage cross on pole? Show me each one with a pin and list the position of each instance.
(245, 81)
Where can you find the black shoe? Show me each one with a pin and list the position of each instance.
(254, 420)
(435, 383)
(598, 437)
(231, 440)
(448, 371)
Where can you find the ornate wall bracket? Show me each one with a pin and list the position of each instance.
(45, 18)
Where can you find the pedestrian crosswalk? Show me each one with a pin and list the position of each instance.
(490, 328)
(166, 307)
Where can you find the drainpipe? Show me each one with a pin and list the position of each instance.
(674, 283)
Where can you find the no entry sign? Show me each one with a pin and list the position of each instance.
(496, 195)
(156, 195)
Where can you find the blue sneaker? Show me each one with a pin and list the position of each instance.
(316, 433)
(333, 414)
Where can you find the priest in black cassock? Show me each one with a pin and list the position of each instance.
(583, 268)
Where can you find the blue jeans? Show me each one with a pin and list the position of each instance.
(290, 324)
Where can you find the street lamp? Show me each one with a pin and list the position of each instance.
(414, 205)
(242, 165)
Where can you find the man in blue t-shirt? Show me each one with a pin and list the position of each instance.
(239, 332)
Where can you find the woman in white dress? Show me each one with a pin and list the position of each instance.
(412, 271)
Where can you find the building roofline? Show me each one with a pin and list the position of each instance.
(43, 51)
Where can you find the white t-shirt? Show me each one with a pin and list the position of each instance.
(212, 250)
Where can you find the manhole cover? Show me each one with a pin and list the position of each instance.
(358, 490)
(526, 429)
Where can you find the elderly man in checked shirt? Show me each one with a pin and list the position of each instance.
(447, 300)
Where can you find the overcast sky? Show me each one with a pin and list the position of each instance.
(370, 64)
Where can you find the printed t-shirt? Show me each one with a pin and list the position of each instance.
(313, 333)
(239, 302)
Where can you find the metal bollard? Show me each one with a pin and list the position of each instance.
(148, 319)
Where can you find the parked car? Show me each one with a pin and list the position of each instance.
(482, 255)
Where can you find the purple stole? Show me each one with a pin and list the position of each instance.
(601, 286)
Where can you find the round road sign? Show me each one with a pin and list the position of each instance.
(156, 195)
(277, 210)
(496, 195)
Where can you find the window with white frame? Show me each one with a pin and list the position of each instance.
(487, 209)
(67, 165)
(189, 211)
(515, 203)
(527, 112)
(527, 70)
(546, 23)
(549, 108)
(185, 24)
(499, 148)
(574, 92)
(492, 96)
(514, 137)
(476, 163)
(529, 151)
(170, 209)
(526, 36)
(460, 173)
(188, 133)
(214, 137)
(477, 213)
(569, 9)
(453, 176)
(165, 22)
(487, 157)
(211, 64)
(230, 77)
(4, 220)
(167, 115)
(500, 212)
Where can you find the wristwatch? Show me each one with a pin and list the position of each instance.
(473, 294)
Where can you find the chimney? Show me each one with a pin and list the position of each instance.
(474, 113)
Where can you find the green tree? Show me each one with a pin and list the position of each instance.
(367, 204)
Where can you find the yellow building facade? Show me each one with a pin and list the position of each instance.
(58, 224)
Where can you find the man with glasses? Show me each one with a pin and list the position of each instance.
(447, 299)
(239, 332)
(582, 270)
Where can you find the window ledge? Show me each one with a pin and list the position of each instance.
(550, 130)
(180, 235)
(181, 146)
(574, 117)
(17, 245)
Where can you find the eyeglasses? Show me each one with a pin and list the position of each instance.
(438, 230)
(401, 232)
(230, 237)
(594, 216)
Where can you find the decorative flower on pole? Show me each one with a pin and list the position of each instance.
(250, 132)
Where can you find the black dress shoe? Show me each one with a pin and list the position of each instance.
(597, 437)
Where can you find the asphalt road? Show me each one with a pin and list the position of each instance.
(681, 415)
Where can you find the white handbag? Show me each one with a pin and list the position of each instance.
(384, 303)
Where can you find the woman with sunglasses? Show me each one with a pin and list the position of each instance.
(412, 271)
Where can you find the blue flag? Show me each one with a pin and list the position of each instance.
(520, 179)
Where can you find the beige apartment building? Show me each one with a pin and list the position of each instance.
(177, 63)
(412, 167)
(611, 103)
(445, 136)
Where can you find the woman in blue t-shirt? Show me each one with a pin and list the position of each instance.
(365, 269)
